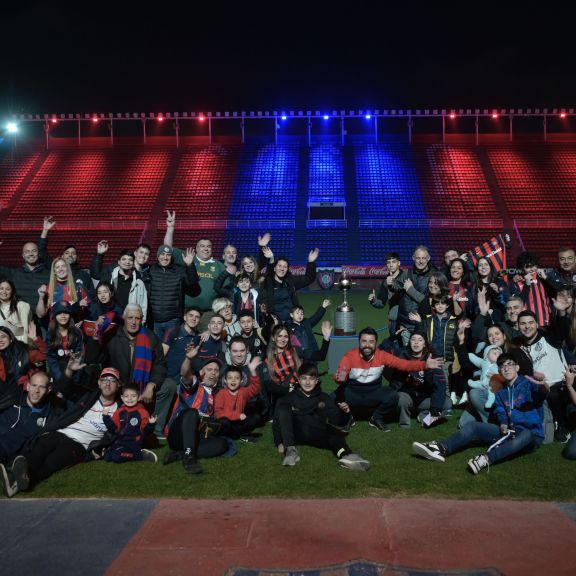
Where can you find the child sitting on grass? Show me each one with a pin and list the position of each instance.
(306, 415)
(230, 403)
(131, 422)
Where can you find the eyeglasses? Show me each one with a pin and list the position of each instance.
(108, 380)
(507, 365)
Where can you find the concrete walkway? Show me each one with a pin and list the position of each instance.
(252, 537)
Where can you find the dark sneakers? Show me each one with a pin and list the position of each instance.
(15, 478)
(191, 465)
(20, 472)
(172, 456)
(379, 424)
(561, 435)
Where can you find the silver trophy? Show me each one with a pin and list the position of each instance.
(344, 319)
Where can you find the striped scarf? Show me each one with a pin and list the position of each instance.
(142, 361)
(494, 250)
(285, 368)
(536, 300)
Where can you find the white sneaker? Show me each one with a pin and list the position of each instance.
(464, 399)
(454, 398)
(478, 463)
(354, 462)
(428, 450)
(292, 457)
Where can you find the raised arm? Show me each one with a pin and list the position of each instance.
(170, 225)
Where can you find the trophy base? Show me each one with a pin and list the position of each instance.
(344, 322)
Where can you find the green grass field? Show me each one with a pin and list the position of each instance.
(256, 471)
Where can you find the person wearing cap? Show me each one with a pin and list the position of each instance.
(168, 284)
(71, 438)
(189, 428)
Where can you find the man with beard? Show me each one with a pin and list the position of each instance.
(359, 376)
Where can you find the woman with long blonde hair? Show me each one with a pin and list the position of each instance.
(61, 288)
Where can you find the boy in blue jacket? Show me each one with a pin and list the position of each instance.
(520, 426)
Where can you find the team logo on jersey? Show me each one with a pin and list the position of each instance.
(134, 421)
(326, 279)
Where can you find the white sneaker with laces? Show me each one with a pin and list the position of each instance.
(478, 463)
(428, 450)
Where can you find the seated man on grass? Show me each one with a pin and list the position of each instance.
(521, 423)
(72, 437)
(306, 415)
(22, 421)
(190, 426)
(359, 377)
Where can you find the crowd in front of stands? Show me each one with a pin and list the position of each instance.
(108, 363)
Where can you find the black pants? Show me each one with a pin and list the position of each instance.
(52, 452)
(185, 433)
(236, 428)
(383, 398)
(558, 401)
(292, 429)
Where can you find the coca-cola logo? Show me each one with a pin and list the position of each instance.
(354, 270)
(364, 271)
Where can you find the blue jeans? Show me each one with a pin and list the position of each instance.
(160, 328)
(477, 398)
(488, 434)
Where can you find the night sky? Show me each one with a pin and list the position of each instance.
(122, 57)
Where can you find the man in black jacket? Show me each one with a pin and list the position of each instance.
(27, 417)
(168, 284)
(33, 272)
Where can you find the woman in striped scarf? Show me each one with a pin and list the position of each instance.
(282, 362)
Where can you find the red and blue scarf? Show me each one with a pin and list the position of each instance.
(142, 360)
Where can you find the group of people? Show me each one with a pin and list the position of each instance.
(200, 353)
(507, 341)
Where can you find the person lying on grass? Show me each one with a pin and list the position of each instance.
(306, 415)
(521, 423)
